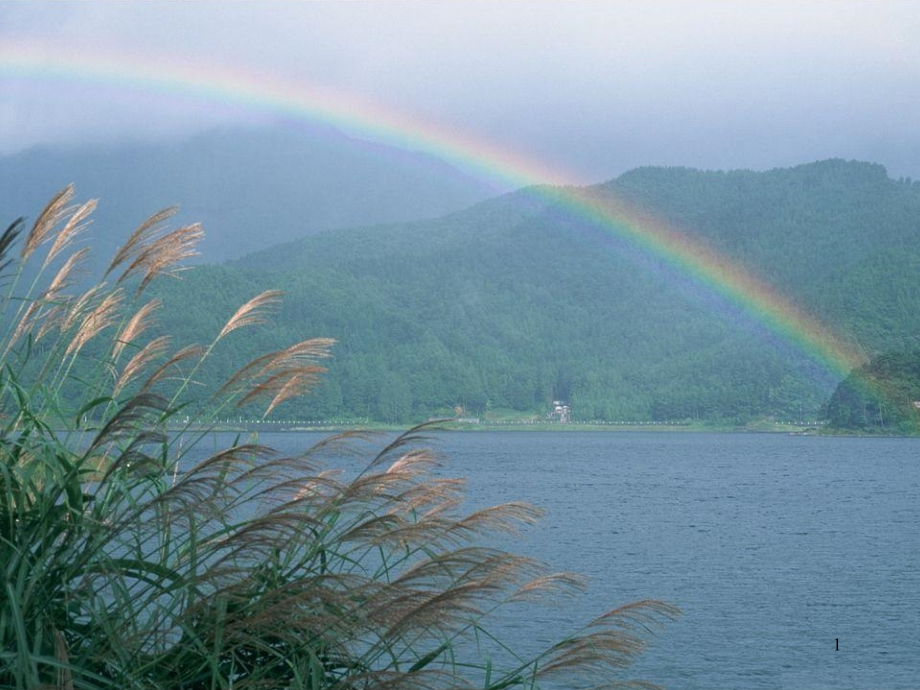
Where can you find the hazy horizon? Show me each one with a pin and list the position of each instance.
(586, 89)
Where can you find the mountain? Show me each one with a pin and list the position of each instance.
(249, 187)
(514, 302)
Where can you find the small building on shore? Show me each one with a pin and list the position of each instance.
(560, 412)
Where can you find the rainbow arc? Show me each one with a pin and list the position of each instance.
(270, 94)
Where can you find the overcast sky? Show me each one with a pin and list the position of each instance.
(590, 87)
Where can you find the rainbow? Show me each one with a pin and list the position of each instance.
(501, 168)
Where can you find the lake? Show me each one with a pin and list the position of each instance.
(773, 546)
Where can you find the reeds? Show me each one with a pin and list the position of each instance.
(129, 558)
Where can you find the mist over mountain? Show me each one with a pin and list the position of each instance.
(250, 188)
(514, 302)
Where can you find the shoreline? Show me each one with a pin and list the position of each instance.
(448, 426)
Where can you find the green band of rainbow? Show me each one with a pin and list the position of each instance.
(268, 93)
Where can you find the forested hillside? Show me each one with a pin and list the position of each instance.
(881, 396)
(250, 187)
(513, 303)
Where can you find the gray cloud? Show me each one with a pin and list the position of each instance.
(590, 87)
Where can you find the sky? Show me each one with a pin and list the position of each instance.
(586, 90)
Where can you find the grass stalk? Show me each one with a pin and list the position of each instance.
(133, 557)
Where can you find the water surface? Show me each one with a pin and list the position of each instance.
(773, 546)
